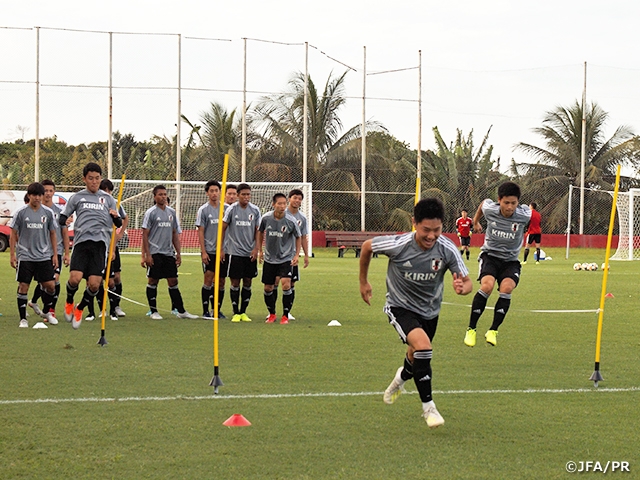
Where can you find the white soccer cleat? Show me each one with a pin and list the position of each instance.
(23, 323)
(50, 318)
(156, 316)
(36, 308)
(433, 417)
(114, 318)
(395, 388)
(120, 312)
(291, 317)
(188, 315)
(90, 318)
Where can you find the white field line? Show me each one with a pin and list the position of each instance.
(310, 395)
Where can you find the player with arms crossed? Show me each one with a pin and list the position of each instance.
(95, 216)
(161, 252)
(33, 252)
(281, 236)
(463, 227)
(207, 225)
(534, 233)
(415, 283)
(499, 257)
(240, 227)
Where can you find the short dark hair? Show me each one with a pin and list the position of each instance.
(106, 184)
(277, 196)
(49, 182)
(212, 183)
(35, 188)
(464, 210)
(26, 198)
(91, 167)
(158, 187)
(428, 208)
(231, 186)
(296, 191)
(534, 205)
(509, 189)
(243, 186)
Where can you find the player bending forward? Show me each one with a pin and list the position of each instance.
(415, 282)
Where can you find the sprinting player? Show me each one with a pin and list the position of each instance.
(499, 257)
(415, 283)
(95, 215)
(295, 201)
(161, 252)
(240, 227)
(207, 225)
(463, 227)
(63, 259)
(281, 236)
(33, 252)
(115, 279)
(534, 233)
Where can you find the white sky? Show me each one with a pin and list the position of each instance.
(498, 62)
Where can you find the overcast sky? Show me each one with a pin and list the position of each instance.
(494, 63)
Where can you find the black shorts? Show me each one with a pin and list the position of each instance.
(465, 241)
(242, 267)
(272, 271)
(499, 269)
(164, 266)
(404, 321)
(39, 271)
(116, 265)
(58, 269)
(295, 273)
(90, 258)
(224, 266)
(534, 238)
(211, 266)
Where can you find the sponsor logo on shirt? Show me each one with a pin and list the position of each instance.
(274, 233)
(243, 223)
(419, 277)
(39, 226)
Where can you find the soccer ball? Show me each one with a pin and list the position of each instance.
(594, 266)
(585, 266)
(577, 266)
(604, 265)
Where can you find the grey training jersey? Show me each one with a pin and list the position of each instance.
(504, 235)
(242, 225)
(93, 221)
(301, 220)
(279, 237)
(57, 210)
(415, 277)
(34, 229)
(208, 217)
(161, 224)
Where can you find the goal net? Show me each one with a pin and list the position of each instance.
(186, 198)
(628, 206)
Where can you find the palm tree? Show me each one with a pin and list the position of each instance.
(558, 164)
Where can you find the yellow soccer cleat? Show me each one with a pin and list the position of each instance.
(395, 388)
(491, 337)
(433, 417)
(236, 318)
(244, 317)
(470, 337)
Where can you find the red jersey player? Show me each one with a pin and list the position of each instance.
(535, 233)
(463, 227)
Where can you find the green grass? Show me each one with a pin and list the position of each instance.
(488, 434)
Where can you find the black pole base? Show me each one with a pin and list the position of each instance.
(103, 341)
(215, 383)
(596, 377)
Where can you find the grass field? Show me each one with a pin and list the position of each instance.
(142, 407)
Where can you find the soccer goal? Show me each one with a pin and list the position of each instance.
(628, 206)
(186, 198)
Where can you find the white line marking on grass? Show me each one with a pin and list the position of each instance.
(306, 395)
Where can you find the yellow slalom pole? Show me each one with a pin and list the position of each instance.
(103, 341)
(417, 197)
(596, 377)
(215, 381)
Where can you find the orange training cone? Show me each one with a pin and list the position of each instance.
(237, 420)
(609, 295)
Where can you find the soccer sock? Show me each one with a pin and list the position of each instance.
(87, 297)
(467, 254)
(537, 254)
(71, 291)
(116, 298)
(91, 312)
(176, 298)
(152, 293)
(477, 307)
(47, 299)
(407, 371)
(270, 301)
(234, 293)
(287, 301)
(205, 295)
(55, 297)
(293, 296)
(245, 296)
(37, 292)
(23, 298)
(100, 296)
(112, 302)
(526, 254)
(462, 252)
(501, 309)
(220, 299)
(422, 374)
